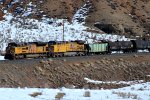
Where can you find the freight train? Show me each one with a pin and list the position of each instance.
(71, 48)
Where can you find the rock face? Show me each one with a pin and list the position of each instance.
(129, 17)
(126, 16)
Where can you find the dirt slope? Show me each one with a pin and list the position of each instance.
(67, 72)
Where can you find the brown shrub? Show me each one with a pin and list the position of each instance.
(126, 95)
(59, 95)
(87, 94)
(35, 94)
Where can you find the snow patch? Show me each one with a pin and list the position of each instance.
(2, 58)
(114, 82)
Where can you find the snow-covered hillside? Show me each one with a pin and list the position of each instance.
(22, 29)
(49, 29)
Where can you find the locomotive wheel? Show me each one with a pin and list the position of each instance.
(77, 54)
(57, 55)
(12, 57)
(61, 55)
(80, 54)
(54, 55)
(50, 54)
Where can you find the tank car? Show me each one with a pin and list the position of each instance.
(124, 46)
(141, 45)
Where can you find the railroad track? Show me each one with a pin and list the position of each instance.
(69, 59)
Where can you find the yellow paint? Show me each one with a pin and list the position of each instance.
(30, 49)
(67, 47)
(57, 48)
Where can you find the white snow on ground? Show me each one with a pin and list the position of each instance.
(133, 92)
(2, 58)
(143, 51)
(114, 82)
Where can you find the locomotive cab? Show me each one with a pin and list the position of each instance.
(10, 49)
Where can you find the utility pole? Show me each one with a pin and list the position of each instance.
(63, 4)
(63, 30)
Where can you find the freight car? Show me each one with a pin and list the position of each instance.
(98, 48)
(141, 45)
(123, 46)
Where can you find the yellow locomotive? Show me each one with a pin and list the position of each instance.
(66, 48)
(23, 50)
(41, 49)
